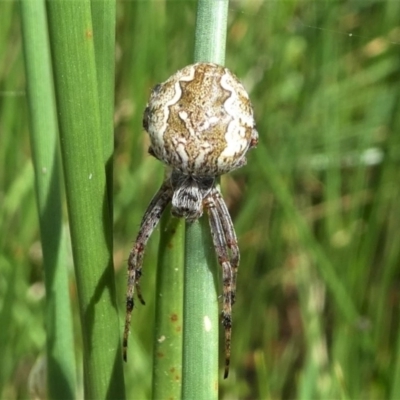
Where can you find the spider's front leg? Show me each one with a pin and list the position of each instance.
(149, 222)
(221, 249)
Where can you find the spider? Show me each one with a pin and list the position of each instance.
(201, 125)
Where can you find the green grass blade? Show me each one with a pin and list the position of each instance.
(200, 328)
(60, 344)
(103, 19)
(74, 66)
(167, 366)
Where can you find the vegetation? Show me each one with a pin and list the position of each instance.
(315, 209)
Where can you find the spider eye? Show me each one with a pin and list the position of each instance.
(156, 89)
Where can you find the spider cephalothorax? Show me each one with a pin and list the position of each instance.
(201, 125)
(189, 191)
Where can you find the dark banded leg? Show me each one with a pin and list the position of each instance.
(149, 222)
(221, 249)
(230, 237)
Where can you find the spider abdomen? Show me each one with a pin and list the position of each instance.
(200, 121)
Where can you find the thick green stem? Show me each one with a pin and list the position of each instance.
(167, 367)
(43, 130)
(82, 140)
(211, 26)
(200, 328)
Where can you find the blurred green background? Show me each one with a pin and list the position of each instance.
(315, 209)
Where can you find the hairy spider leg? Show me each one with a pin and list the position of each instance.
(221, 249)
(149, 222)
(230, 235)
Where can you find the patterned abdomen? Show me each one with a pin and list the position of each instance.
(200, 121)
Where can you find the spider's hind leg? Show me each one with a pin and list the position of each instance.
(149, 222)
(230, 237)
(221, 249)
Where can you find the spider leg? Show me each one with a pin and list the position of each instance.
(230, 236)
(149, 222)
(253, 139)
(220, 244)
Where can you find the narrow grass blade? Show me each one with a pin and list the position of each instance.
(41, 102)
(200, 332)
(74, 64)
(341, 295)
